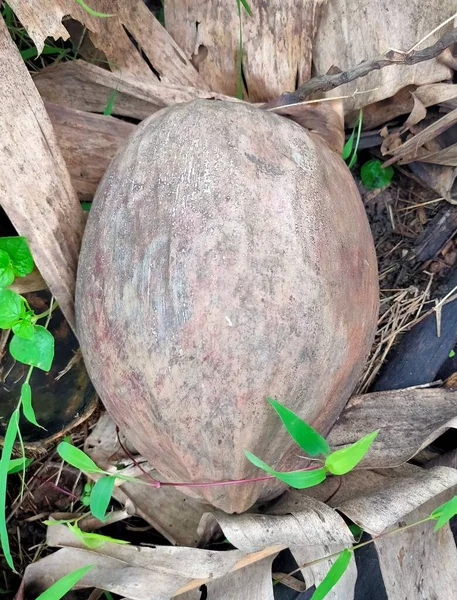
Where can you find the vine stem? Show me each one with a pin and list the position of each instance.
(158, 484)
(355, 547)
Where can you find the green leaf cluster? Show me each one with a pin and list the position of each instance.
(338, 462)
(31, 344)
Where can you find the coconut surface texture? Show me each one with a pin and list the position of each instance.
(227, 257)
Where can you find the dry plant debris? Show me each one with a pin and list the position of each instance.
(376, 499)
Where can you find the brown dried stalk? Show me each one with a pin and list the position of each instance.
(324, 83)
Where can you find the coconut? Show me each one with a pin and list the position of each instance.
(227, 257)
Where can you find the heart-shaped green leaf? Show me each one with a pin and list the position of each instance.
(334, 574)
(296, 479)
(37, 352)
(306, 437)
(445, 512)
(77, 458)
(6, 270)
(11, 308)
(374, 176)
(344, 460)
(101, 495)
(24, 329)
(19, 253)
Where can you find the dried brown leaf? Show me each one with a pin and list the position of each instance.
(277, 42)
(88, 142)
(35, 188)
(336, 42)
(83, 86)
(43, 18)
(408, 421)
(402, 103)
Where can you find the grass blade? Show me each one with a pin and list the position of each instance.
(342, 461)
(347, 149)
(16, 464)
(296, 479)
(64, 585)
(26, 402)
(8, 443)
(101, 495)
(356, 147)
(335, 573)
(77, 458)
(93, 12)
(246, 7)
(306, 437)
(110, 105)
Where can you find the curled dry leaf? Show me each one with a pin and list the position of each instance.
(402, 103)
(393, 140)
(324, 119)
(308, 527)
(35, 189)
(408, 420)
(43, 18)
(412, 149)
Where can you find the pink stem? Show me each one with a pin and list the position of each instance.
(157, 484)
(227, 482)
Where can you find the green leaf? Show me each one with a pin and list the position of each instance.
(101, 495)
(77, 458)
(91, 11)
(347, 149)
(6, 269)
(64, 585)
(296, 479)
(374, 176)
(344, 460)
(355, 529)
(37, 352)
(24, 329)
(18, 464)
(26, 402)
(29, 53)
(8, 443)
(93, 540)
(452, 354)
(108, 111)
(334, 574)
(246, 7)
(359, 132)
(306, 437)
(19, 252)
(11, 308)
(445, 512)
